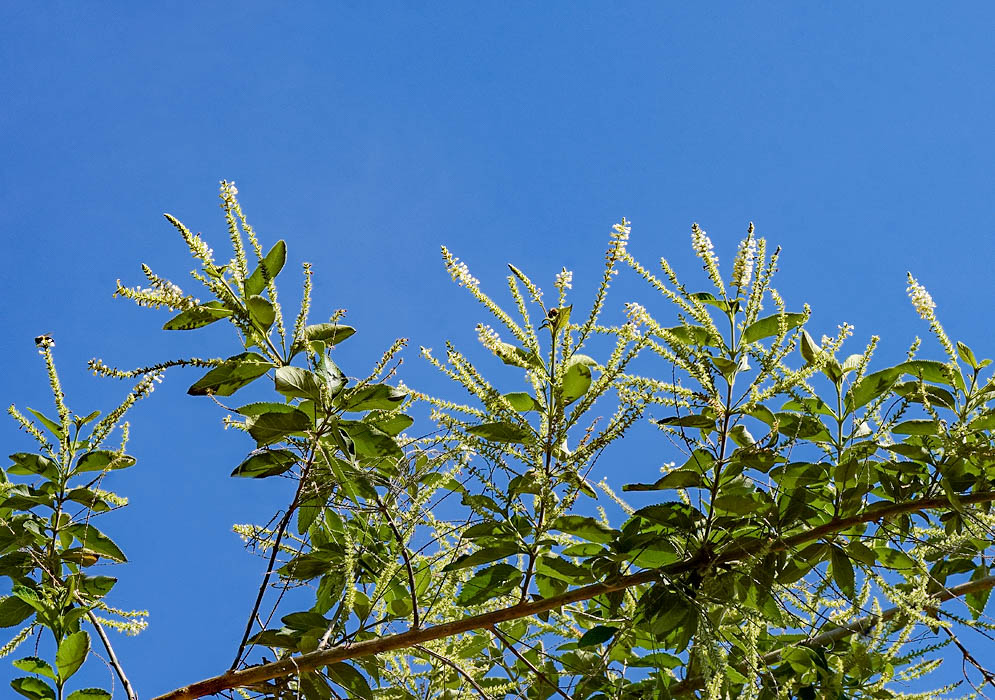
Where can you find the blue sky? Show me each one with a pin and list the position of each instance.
(856, 136)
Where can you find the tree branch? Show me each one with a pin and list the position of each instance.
(324, 657)
(466, 676)
(856, 627)
(112, 657)
(538, 674)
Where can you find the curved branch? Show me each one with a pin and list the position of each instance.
(112, 657)
(403, 640)
(451, 664)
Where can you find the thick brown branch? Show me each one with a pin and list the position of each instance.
(856, 627)
(317, 659)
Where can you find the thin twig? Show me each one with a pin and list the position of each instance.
(451, 664)
(112, 657)
(539, 674)
(404, 555)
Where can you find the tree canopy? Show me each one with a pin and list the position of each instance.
(822, 526)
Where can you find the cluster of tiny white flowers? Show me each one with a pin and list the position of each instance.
(488, 337)
(620, 234)
(742, 268)
(702, 244)
(564, 279)
(461, 274)
(637, 314)
(921, 299)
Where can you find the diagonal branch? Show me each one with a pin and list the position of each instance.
(856, 627)
(538, 674)
(112, 657)
(403, 640)
(453, 665)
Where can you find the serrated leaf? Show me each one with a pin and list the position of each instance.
(596, 635)
(273, 263)
(370, 441)
(522, 401)
(376, 397)
(349, 678)
(231, 375)
(584, 527)
(978, 600)
(966, 355)
(100, 460)
(842, 571)
(295, 382)
(263, 463)
(916, 426)
(327, 333)
(197, 317)
(494, 581)
(89, 694)
(33, 664)
(687, 421)
(482, 556)
(94, 540)
(268, 428)
(33, 688)
(261, 310)
(576, 378)
(501, 432)
(770, 326)
(26, 463)
(14, 611)
(52, 425)
(71, 654)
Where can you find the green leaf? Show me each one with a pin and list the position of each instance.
(378, 396)
(677, 479)
(349, 678)
(71, 654)
(393, 424)
(295, 382)
(690, 335)
(263, 463)
(94, 540)
(100, 460)
(89, 694)
(522, 401)
(810, 350)
(260, 407)
(770, 326)
(933, 371)
(261, 311)
(586, 528)
(273, 263)
(26, 463)
(52, 425)
(268, 428)
(842, 571)
(741, 436)
(494, 581)
(596, 635)
(231, 375)
(576, 378)
(370, 441)
(33, 688)
(708, 298)
(519, 357)
(14, 611)
(97, 586)
(327, 333)
(977, 600)
(501, 432)
(197, 317)
(967, 355)
(687, 421)
(482, 556)
(33, 664)
(871, 387)
(917, 426)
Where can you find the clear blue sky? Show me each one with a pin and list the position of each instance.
(856, 135)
